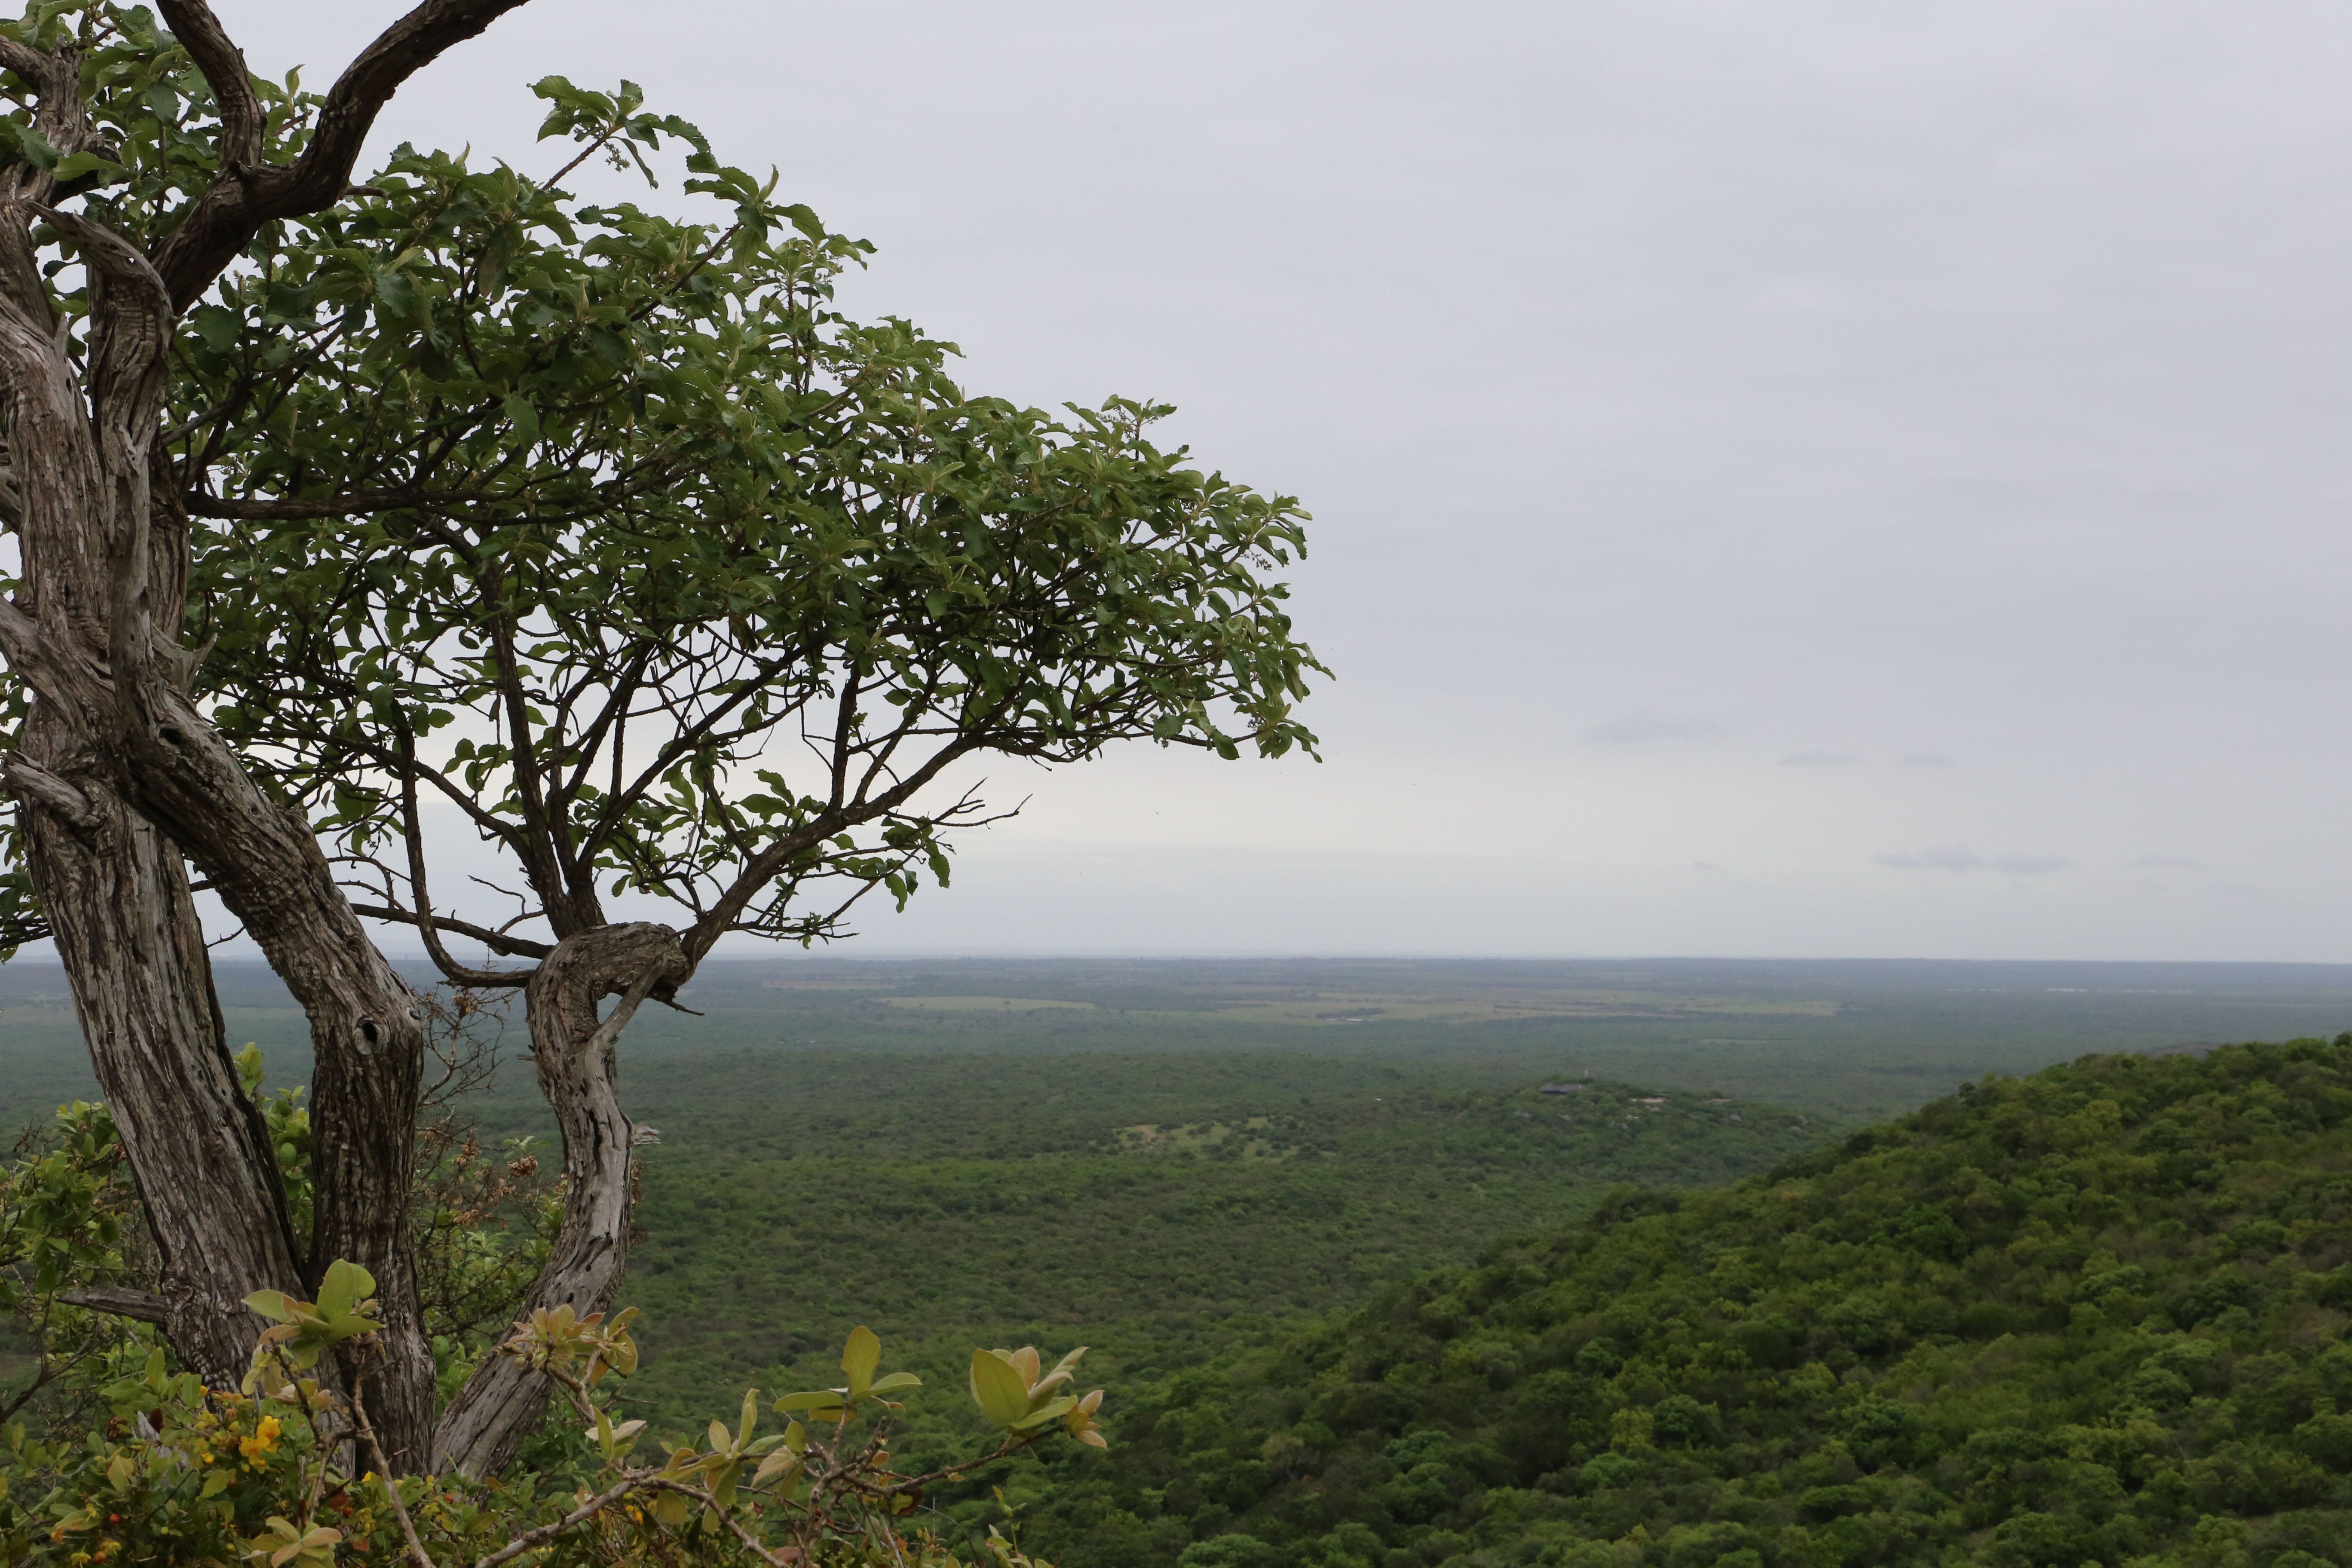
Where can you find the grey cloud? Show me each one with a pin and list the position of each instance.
(1930, 760)
(1819, 760)
(1941, 858)
(2027, 865)
(1628, 728)
(1960, 858)
(2170, 863)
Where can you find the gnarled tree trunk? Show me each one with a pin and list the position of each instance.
(572, 1049)
(95, 633)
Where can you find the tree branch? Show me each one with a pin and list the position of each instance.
(571, 1049)
(772, 861)
(144, 1305)
(29, 780)
(246, 195)
(412, 830)
(25, 61)
(223, 63)
(554, 1528)
(236, 508)
(496, 942)
(391, 1482)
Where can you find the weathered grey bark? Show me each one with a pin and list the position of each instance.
(114, 889)
(95, 633)
(117, 897)
(366, 1028)
(488, 1420)
(144, 1305)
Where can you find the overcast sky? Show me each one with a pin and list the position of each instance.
(1790, 479)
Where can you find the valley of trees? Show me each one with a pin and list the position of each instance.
(2096, 1315)
(2091, 1315)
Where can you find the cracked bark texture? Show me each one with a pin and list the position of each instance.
(117, 896)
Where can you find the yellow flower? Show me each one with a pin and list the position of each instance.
(263, 1440)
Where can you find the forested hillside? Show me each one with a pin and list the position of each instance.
(2096, 1315)
(1165, 1210)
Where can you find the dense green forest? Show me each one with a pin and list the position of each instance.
(1162, 1209)
(2096, 1315)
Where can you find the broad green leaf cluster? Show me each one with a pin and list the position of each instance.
(67, 1210)
(305, 1331)
(1012, 1395)
(627, 543)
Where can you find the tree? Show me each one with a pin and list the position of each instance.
(593, 530)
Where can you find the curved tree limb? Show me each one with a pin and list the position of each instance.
(498, 941)
(248, 195)
(222, 64)
(97, 626)
(421, 896)
(116, 893)
(240, 509)
(144, 1305)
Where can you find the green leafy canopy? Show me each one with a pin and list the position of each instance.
(644, 512)
(603, 527)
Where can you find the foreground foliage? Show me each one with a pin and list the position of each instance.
(2096, 1315)
(188, 1474)
(124, 1460)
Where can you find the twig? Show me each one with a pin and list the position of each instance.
(703, 1494)
(546, 1532)
(391, 1481)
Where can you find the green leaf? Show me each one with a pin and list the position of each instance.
(865, 1354)
(997, 1389)
(524, 418)
(820, 1403)
(1063, 1370)
(81, 163)
(346, 1285)
(806, 221)
(275, 1305)
(220, 329)
(36, 148)
(722, 1484)
(1053, 1410)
